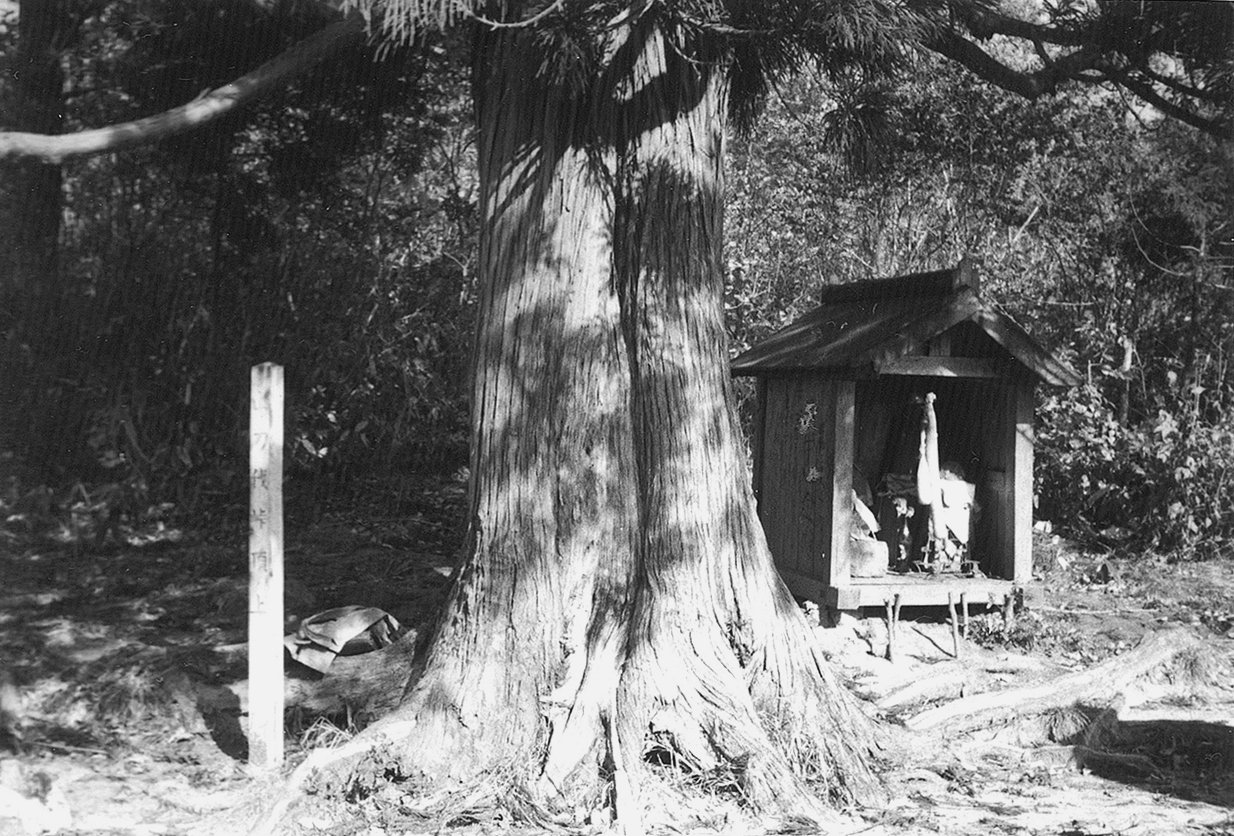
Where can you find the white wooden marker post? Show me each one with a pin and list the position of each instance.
(266, 567)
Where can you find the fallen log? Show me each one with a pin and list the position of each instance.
(1099, 683)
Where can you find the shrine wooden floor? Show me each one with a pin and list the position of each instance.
(916, 589)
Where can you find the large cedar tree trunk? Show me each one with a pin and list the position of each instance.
(617, 595)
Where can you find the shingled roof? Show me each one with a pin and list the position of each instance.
(860, 326)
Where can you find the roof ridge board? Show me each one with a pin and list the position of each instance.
(912, 285)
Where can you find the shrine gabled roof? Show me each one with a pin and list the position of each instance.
(859, 325)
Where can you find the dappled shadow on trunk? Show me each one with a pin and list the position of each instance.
(534, 627)
(550, 520)
(615, 588)
(722, 671)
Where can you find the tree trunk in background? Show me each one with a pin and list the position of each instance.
(617, 592)
(32, 190)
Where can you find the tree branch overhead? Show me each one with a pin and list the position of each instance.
(1155, 50)
(1126, 43)
(201, 111)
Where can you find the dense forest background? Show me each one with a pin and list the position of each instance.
(331, 228)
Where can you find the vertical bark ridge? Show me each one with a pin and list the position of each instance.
(680, 678)
(551, 442)
(707, 575)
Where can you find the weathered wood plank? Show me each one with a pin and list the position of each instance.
(1022, 483)
(917, 591)
(836, 560)
(791, 502)
(265, 619)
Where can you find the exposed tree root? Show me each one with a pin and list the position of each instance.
(1093, 685)
(702, 715)
(783, 747)
(815, 719)
(321, 761)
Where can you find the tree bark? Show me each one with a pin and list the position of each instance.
(552, 521)
(617, 596)
(722, 667)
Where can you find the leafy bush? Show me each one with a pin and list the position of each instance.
(1166, 483)
(1030, 632)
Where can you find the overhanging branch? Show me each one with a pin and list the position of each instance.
(965, 52)
(1189, 90)
(1145, 90)
(1082, 65)
(202, 110)
(985, 23)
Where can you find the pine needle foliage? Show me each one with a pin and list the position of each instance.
(1177, 56)
(758, 41)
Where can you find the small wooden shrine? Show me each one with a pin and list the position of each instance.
(839, 441)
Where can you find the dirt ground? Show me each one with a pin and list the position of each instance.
(122, 654)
